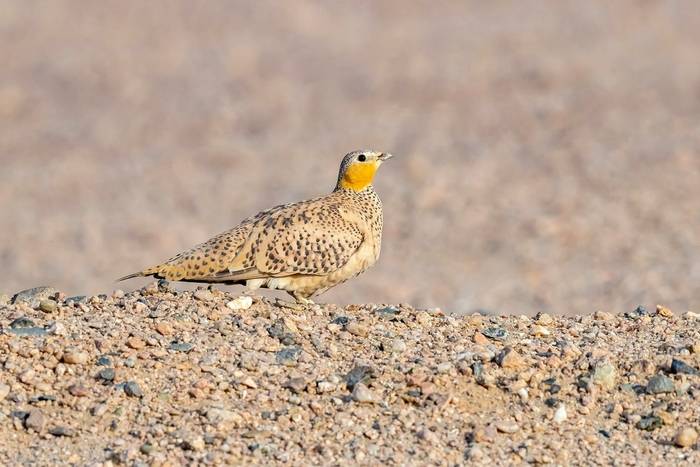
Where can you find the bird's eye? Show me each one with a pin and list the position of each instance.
(361, 158)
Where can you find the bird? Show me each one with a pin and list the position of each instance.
(303, 248)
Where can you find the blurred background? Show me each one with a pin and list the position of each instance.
(548, 152)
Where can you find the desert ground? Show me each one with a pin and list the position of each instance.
(537, 296)
(547, 153)
(159, 377)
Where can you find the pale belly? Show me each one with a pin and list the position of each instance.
(309, 285)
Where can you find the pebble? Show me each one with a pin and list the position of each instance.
(47, 306)
(649, 423)
(106, 375)
(132, 389)
(507, 427)
(479, 338)
(62, 431)
(540, 331)
(359, 374)
(181, 346)
(288, 356)
(680, 367)
(543, 319)
(660, 384)
(163, 328)
(560, 415)
(362, 393)
(204, 295)
(296, 385)
(240, 303)
(325, 386)
(510, 358)
(193, 443)
(78, 390)
(663, 311)
(135, 343)
(398, 346)
(356, 329)
(495, 333)
(685, 437)
(601, 315)
(75, 357)
(35, 420)
(604, 375)
(4, 391)
(32, 297)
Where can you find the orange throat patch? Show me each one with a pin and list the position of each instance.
(358, 176)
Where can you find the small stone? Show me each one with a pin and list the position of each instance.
(398, 346)
(240, 303)
(663, 311)
(288, 356)
(204, 295)
(135, 343)
(356, 329)
(495, 333)
(692, 315)
(685, 437)
(540, 331)
(362, 393)
(325, 386)
(27, 376)
(75, 357)
(296, 385)
(132, 389)
(181, 346)
(695, 348)
(601, 315)
(604, 375)
(680, 367)
(221, 415)
(35, 420)
(32, 297)
(106, 375)
(510, 358)
(249, 383)
(146, 448)
(543, 319)
(560, 415)
(99, 410)
(47, 306)
(359, 374)
(4, 391)
(193, 443)
(104, 361)
(479, 338)
(649, 423)
(507, 427)
(163, 328)
(78, 390)
(660, 384)
(444, 367)
(62, 431)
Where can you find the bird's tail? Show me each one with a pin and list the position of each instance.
(131, 276)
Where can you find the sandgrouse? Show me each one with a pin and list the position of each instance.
(304, 248)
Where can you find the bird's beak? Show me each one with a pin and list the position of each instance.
(385, 156)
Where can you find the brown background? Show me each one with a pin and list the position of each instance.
(548, 152)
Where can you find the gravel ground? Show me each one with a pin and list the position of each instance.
(548, 152)
(165, 377)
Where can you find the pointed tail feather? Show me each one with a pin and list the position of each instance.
(131, 276)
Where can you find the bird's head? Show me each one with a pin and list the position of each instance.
(358, 168)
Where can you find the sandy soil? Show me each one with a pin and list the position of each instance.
(547, 152)
(165, 378)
